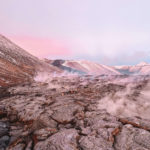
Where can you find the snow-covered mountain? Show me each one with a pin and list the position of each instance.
(17, 65)
(91, 67)
(84, 67)
(142, 68)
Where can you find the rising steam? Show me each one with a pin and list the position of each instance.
(128, 103)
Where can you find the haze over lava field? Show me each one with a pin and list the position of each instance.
(71, 105)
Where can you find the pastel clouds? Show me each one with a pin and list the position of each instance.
(110, 32)
(108, 48)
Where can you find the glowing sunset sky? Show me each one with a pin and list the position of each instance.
(113, 32)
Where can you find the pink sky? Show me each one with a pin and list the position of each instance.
(106, 31)
(42, 47)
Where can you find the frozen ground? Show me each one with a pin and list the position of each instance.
(71, 112)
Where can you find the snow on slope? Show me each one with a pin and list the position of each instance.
(17, 65)
(142, 68)
(142, 64)
(91, 67)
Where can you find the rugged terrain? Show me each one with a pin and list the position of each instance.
(71, 105)
(70, 113)
(17, 65)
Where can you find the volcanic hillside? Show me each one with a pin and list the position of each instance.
(17, 65)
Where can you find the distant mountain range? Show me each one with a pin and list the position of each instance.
(84, 67)
(142, 68)
(17, 65)
(87, 67)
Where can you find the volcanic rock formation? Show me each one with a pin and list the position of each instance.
(66, 113)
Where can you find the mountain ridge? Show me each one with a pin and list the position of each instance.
(17, 65)
(93, 68)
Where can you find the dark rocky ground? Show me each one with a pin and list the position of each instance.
(64, 114)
